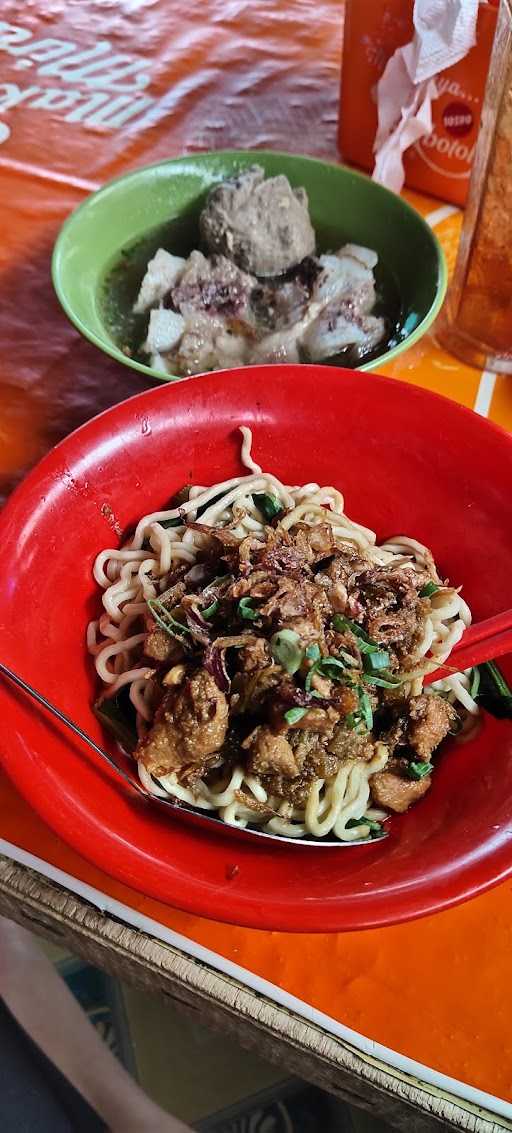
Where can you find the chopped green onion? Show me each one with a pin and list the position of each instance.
(428, 590)
(293, 715)
(285, 649)
(211, 609)
(419, 770)
(313, 652)
(365, 709)
(370, 822)
(165, 619)
(332, 668)
(245, 609)
(354, 722)
(269, 505)
(344, 625)
(310, 675)
(494, 693)
(375, 661)
(218, 581)
(475, 682)
(348, 658)
(387, 680)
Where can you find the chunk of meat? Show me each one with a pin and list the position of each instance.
(397, 794)
(162, 272)
(431, 719)
(344, 276)
(345, 567)
(338, 327)
(295, 599)
(256, 678)
(207, 343)
(345, 743)
(393, 611)
(280, 346)
(260, 223)
(320, 720)
(269, 753)
(417, 726)
(314, 761)
(254, 656)
(190, 726)
(214, 286)
(159, 646)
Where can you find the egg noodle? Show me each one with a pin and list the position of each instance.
(140, 570)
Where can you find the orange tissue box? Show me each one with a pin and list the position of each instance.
(439, 164)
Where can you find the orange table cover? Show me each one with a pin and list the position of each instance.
(88, 90)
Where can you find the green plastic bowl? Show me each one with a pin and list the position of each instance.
(160, 203)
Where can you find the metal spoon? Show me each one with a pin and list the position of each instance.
(181, 809)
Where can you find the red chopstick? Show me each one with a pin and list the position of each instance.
(483, 641)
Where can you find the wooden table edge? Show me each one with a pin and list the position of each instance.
(221, 1002)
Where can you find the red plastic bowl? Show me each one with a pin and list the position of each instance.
(407, 461)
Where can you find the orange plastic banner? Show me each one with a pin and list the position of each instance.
(88, 90)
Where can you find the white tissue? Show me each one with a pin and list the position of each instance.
(445, 30)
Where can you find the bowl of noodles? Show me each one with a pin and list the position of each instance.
(249, 584)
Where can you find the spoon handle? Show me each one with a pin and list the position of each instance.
(71, 725)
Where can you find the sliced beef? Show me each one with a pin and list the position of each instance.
(190, 726)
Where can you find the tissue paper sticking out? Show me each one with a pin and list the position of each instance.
(445, 31)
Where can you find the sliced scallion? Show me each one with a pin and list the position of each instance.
(332, 668)
(386, 680)
(345, 625)
(293, 715)
(475, 682)
(376, 660)
(419, 770)
(494, 694)
(286, 649)
(211, 609)
(428, 590)
(365, 709)
(269, 505)
(313, 652)
(165, 619)
(370, 822)
(246, 610)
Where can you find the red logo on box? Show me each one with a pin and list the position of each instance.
(457, 119)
